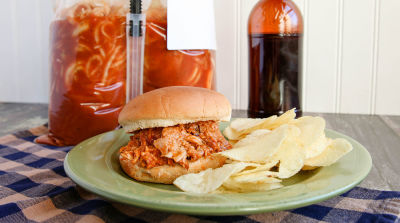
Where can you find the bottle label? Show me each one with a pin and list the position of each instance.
(191, 25)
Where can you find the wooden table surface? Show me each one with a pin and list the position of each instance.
(379, 134)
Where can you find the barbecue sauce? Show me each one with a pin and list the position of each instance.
(275, 56)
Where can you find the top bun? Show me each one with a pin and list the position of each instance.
(171, 106)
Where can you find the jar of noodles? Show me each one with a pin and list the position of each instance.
(163, 67)
(87, 69)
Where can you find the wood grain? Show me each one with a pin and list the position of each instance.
(15, 117)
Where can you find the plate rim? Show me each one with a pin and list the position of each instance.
(196, 209)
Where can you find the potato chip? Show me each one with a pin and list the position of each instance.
(252, 137)
(308, 168)
(257, 168)
(231, 185)
(286, 118)
(260, 150)
(257, 177)
(239, 128)
(284, 142)
(312, 137)
(317, 147)
(231, 134)
(336, 149)
(291, 158)
(233, 142)
(208, 180)
(244, 124)
(259, 132)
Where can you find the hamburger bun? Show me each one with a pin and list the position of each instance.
(168, 107)
(167, 174)
(171, 106)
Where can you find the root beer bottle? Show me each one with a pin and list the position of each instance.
(275, 31)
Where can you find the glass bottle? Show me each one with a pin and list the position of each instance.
(275, 29)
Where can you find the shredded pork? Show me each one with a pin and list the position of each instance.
(174, 145)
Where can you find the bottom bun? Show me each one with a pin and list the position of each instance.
(167, 174)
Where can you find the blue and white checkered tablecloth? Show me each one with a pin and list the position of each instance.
(35, 188)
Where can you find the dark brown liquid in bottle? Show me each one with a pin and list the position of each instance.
(275, 74)
(275, 30)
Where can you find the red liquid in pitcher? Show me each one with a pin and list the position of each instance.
(275, 74)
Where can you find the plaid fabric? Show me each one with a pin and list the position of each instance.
(35, 188)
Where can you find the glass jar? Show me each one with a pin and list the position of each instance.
(163, 67)
(87, 69)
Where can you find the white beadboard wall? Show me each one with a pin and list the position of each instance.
(351, 53)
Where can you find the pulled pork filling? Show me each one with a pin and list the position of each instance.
(177, 144)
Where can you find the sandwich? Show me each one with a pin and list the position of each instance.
(175, 131)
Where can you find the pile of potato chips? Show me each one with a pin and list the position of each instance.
(265, 151)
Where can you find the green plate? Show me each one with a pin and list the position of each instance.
(94, 166)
